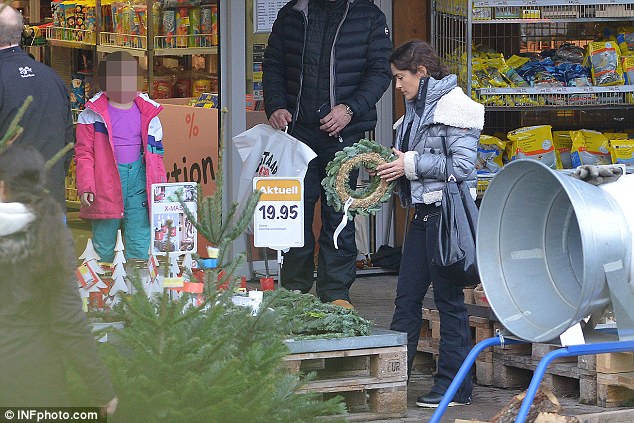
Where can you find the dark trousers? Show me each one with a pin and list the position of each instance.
(415, 276)
(335, 267)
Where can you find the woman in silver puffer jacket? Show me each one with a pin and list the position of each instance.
(435, 108)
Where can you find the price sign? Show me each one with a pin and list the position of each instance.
(279, 216)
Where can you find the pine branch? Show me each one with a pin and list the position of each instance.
(15, 130)
(247, 215)
(60, 154)
(221, 147)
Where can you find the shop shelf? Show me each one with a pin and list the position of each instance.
(173, 45)
(556, 97)
(184, 51)
(517, 11)
(112, 41)
(70, 37)
(466, 31)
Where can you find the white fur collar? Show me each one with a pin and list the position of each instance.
(14, 217)
(457, 110)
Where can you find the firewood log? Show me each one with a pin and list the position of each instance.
(544, 401)
(555, 418)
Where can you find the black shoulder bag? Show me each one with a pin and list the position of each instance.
(455, 256)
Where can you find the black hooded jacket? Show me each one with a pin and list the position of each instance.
(358, 70)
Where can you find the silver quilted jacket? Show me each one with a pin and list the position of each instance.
(440, 110)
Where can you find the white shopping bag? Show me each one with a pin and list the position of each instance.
(265, 151)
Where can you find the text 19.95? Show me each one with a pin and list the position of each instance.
(284, 212)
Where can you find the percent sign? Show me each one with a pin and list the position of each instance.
(193, 129)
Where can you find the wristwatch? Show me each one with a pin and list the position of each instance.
(349, 111)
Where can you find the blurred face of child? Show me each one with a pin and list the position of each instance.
(407, 81)
(121, 81)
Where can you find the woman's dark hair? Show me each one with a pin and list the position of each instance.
(22, 170)
(415, 53)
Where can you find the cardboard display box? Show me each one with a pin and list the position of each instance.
(190, 139)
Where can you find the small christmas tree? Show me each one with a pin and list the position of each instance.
(212, 363)
(152, 284)
(118, 271)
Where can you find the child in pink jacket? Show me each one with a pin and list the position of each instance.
(119, 156)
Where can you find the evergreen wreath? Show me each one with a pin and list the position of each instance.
(368, 154)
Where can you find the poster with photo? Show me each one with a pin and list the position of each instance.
(165, 206)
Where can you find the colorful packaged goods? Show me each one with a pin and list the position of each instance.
(194, 27)
(490, 152)
(182, 27)
(162, 87)
(201, 84)
(628, 70)
(627, 64)
(563, 146)
(91, 19)
(169, 28)
(117, 19)
(80, 20)
(58, 14)
(69, 20)
(590, 147)
(622, 151)
(106, 16)
(156, 19)
(139, 25)
(77, 92)
(214, 24)
(536, 143)
(605, 64)
(205, 25)
(128, 26)
(625, 39)
(207, 101)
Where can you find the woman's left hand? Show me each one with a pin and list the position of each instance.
(393, 170)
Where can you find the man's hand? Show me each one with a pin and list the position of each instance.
(280, 119)
(87, 198)
(597, 175)
(336, 120)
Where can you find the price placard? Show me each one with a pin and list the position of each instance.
(279, 216)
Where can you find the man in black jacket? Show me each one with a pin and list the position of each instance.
(325, 68)
(48, 124)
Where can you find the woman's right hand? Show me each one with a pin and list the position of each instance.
(280, 119)
(393, 170)
(87, 198)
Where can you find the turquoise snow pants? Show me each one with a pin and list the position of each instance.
(135, 222)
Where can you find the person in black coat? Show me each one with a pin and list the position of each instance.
(42, 326)
(48, 123)
(325, 68)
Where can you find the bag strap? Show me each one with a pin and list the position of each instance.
(449, 176)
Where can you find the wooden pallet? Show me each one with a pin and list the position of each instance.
(372, 381)
(615, 362)
(615, 389)
(481, 329)
(562, 377)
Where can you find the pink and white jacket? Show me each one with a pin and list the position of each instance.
(97, 170)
